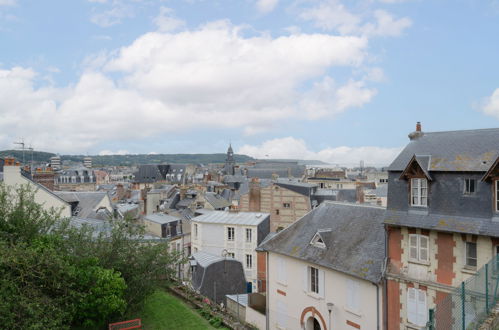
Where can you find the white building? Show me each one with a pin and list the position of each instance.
(234, 234)
(325, 270)
(14, 176)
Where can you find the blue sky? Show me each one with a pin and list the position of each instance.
(333, 80)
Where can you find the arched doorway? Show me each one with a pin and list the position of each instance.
(313, 324)
(311, 319)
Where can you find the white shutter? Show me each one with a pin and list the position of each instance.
(412, 306)
(422, 309)
(321, 283)
(281, 314)
(423, 248)
(281, 271)
(413, 246)
(305, 279)
(350, 295)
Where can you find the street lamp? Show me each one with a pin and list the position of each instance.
(329, 309)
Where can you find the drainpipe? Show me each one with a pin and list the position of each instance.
(267, 315)
(377, 306)
(385, 282)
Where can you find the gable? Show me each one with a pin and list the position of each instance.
(417, 168)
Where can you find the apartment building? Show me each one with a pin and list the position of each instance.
(232, 234)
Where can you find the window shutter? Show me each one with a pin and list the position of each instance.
(412, 306)
(321, 283)
(422, 309)
(423, 248)
(413, 246)
(306, 271)
(351, 295)
(281, 271)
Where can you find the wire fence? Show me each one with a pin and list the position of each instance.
(469, 304)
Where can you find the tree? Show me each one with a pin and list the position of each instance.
(54, 276)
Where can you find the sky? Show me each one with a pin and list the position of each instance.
(338, 81)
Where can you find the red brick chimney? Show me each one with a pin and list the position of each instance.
(418, 126)
(417, 133)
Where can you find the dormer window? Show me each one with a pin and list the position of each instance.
(419, 192)
(317, 241)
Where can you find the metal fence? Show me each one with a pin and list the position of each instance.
(469, 304)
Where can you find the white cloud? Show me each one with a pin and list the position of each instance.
(174, 82)
(491, 104)
(292, 148)
(8, 2)
(112, 16)
(166, 22)
(332, 15)
(110, 153)
(266, 6)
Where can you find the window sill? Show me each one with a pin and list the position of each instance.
(282, 284)
(314, 295)
(471, 271)
(417, 262)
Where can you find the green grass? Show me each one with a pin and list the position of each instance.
(164, 311)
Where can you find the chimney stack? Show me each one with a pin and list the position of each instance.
(417, 133)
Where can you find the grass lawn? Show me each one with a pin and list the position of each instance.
(164, 311)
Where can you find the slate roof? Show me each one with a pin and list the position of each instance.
(447, 223)
(302, 188)
(467, 150)
(354, 236)
(160, 218)
(150, 173)
(235, 218)
(87, 201)
(216, 201)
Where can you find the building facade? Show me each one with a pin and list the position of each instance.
(232, 234)
(442, 219)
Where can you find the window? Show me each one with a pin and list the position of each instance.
(469, 186)
(249, 261)
(248, 235)
(231, 255)
(195, 230)
(471, 259)
(286, 205)
(230, 233)
(353, 296)
(277, 212)
(416, 306)
(418, 248)
(314, 280)
(419, 192)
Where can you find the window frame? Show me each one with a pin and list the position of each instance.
(313, 280)
(467, 257)
(231, 237)
(250, 232)
(286, 205)
(416, 317)
(419, 189)
(249, 261)
(419, 247)
(467, 186)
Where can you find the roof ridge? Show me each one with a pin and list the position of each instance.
(463, 130)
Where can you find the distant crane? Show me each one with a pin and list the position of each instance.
(23, 146)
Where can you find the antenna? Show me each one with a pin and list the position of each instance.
(21, 143)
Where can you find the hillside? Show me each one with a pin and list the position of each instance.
(126, 160)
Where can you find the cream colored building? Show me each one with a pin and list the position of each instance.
(285, 202)
(13, 177)
(325, 270)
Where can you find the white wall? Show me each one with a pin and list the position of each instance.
(212, 239)
(12, 177)
(288, 297)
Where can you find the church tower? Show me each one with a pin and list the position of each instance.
(230, 162)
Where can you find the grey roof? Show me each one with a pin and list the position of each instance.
(205, 259)
(302, 188)
(160, 218)
(467, 150)
(447, 223)
(234, 178)
(242, 299)
(353, 234)
(87, 200)
(216, 201)
(150, 173)
(186, 202)
(235, 218)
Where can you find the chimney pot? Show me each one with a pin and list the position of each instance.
(418, 126)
